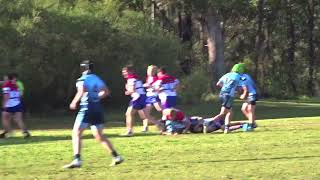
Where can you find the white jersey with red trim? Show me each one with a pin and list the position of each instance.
(150, 82)
(14, 94)
(167, 85)
(138, 87)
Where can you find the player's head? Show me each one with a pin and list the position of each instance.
(243, 68)
(12, 76)
(126, 70)
(86, 65)
(238, 68)
(161, 71)
(152, 70)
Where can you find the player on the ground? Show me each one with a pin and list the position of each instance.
(90, 90)
(152, 99)
(134, 88)
(229, 84)
(208, 125)
(249, 106)
(12, 107)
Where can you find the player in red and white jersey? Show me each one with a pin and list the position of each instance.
(12, 107)
(152, 99)
(167, 87)
(134, 88)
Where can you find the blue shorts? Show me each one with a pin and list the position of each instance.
(14, 109)
(218, 123)
(174, 126)
(139, 103)
(92, 115)
(251, 99)
(170, 102)
(226, 100)
(152, 99)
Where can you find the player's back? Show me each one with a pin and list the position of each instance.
(230, 81)
(247, 80)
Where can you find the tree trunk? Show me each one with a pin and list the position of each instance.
(311, 51)
(259, 38)
(215, 46)
(291, 46)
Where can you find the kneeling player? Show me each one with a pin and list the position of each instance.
(175, 122)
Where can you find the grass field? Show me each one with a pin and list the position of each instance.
(286, 145)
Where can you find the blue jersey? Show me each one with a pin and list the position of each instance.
(230, 82)
(249, 83)
(92, 85)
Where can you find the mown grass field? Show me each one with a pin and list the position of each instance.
(286, 145)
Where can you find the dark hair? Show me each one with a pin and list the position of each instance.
(128, 68)
(86, 65)
(162, 69)
(12, 76)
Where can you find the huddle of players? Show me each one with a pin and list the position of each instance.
(161, 94)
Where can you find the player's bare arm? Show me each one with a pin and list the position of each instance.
(77, 97)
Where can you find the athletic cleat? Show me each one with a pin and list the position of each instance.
(128, 134)
(26, 135)
(3, 135)
(254, 125)
(145, 130)
(116, 160)
(76, 163)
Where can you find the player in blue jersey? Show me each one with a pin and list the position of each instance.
(90, 90)
(229, 84)
(249, 106)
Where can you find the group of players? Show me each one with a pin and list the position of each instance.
(158, 91)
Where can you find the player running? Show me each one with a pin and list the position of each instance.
(152, 99)
(135, 89)
(249, 106)
(167, 87)
(12, 107)
(229, 84)
(90, 90)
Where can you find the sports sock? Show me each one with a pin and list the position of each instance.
(114, 154)
(77, 156)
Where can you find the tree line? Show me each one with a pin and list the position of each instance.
(43, 40)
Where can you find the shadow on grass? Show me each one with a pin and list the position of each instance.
(40, 139)
(252, 159)
(264, 109)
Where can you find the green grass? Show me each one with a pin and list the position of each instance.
(286, 145)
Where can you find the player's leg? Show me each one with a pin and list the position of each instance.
(252, 115)
(5, 123)
(97, 131)
(144, 119)
(18, 118)
(129, 120)
(158, 106)
(143, 113)
(78, 128)
(244, 109)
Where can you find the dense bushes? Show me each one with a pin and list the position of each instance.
(45, 40)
